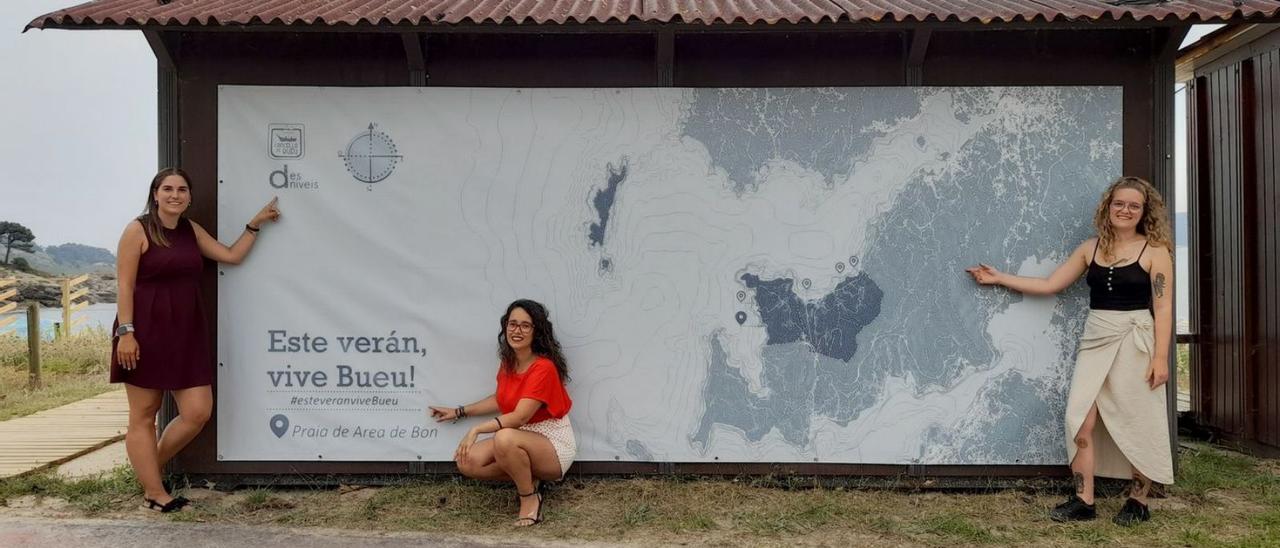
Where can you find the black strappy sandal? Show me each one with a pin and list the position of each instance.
(178, 503)
(529, 522)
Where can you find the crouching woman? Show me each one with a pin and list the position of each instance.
(532, 440)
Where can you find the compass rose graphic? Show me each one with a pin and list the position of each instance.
(371, 156)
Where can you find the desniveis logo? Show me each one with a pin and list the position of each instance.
(286, 179)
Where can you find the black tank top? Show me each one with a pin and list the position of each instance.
(1125, 287)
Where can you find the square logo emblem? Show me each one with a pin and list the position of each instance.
(286, 141)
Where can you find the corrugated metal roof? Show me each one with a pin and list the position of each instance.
(133, 13)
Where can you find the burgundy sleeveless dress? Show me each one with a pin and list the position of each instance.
(169, 317)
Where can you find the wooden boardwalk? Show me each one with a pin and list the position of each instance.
(57, 435)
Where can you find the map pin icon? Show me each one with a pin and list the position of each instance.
(853, 260)
(279, 425)
(839, 267)
(806, 283)
(741, 317)
(742, 295)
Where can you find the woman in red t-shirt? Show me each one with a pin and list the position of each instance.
(532, 438)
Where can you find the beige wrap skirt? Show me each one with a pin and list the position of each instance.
(1133, 421)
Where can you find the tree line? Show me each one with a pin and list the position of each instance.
(15, 236)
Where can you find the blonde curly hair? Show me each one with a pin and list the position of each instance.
(1155, 219)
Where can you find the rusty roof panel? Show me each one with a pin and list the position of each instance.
(710, 12)
(195, 13)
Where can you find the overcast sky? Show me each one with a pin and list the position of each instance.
(79, 127)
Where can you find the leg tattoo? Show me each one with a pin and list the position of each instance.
(1082, 442)
(1079, 481)
(1140, 486)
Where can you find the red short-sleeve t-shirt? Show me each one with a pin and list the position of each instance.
(540, 382)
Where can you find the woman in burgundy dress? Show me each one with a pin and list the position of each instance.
(161, 338)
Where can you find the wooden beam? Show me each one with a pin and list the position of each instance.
(664, 57)
(1219, 44)
(164, 56)
(416, 57)
(163, 45)
(918, 46)
(1165, 44)
(1201, 216)
(1249, 245)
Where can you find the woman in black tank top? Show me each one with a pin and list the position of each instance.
(1116, 419)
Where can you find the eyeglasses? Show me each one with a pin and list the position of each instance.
(520, 326)
(1121, 206)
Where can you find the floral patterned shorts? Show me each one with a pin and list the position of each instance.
(560, 432)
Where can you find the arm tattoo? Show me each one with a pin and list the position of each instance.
(1158, 285)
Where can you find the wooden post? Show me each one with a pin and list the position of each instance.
(33, 345)
(60, 331)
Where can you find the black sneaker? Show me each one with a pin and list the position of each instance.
(1073, 510)
(1132, 513)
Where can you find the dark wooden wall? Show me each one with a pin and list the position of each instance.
(692, 58)
(1235, 211)
(1267, 287)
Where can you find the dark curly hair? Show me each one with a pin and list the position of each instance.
(544, 338)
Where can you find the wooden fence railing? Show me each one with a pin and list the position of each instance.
(71, 303)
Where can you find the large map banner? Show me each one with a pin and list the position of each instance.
(737, 275)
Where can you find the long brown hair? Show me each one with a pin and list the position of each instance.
(544, 339)
(1154, 223)
(150, 217)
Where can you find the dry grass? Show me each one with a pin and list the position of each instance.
(1184, 367)
(72, 369)
(1222, 499)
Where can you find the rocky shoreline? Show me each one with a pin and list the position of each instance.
(48, 290)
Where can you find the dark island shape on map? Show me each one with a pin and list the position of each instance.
(806, 362)
(830, 325)
(603, 201)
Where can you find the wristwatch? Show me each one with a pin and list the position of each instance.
(124, 328)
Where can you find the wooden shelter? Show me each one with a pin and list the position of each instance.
(200, 45)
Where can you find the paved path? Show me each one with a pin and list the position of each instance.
(60, 434)
(97, 533)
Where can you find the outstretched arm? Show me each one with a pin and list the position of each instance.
(211, 248)
(1062, 277)
(486, 406)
